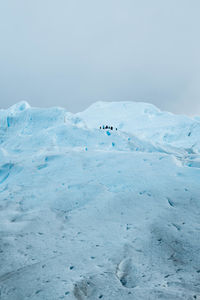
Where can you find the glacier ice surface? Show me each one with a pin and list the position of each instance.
(87, 213)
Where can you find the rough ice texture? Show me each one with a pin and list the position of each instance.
(99, 214)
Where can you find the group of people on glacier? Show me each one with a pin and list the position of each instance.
(107, 127)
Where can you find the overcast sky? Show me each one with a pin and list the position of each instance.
(72, 53)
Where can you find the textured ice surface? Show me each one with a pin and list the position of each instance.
(89, 215)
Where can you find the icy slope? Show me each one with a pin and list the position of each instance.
(145, 121)
(98, 214)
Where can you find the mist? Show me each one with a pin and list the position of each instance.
(73, 53)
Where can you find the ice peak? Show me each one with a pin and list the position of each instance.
(20, 106)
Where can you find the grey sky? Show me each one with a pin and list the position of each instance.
(73, 53)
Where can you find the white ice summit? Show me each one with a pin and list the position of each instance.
(99, 214)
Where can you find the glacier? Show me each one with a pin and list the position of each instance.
(87, 213)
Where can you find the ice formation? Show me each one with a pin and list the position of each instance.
(87, 213)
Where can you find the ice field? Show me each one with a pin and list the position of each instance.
(90, 213)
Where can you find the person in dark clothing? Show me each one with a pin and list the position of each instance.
(100, 127)
(111, 128)
(106, 127)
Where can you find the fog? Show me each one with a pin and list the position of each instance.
(73, 53)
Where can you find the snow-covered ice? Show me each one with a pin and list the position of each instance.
(99, 214)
